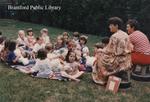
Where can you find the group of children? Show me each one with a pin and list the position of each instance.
(66, 58)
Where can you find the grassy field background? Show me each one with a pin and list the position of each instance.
(18, 87)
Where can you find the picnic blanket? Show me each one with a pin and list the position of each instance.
(45, 74)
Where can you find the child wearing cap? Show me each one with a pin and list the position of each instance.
(76, 37)
(22, 39)
(84, 48)
(44, 35)
(30, 38)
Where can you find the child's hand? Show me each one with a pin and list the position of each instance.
(18, 57)
(51, 75)
(28, 69)
(82, 67)
(70, 69)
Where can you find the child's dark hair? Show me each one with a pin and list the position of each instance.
(2, 39)
(116, 21)
(7, 43)
(68, 54)
(37, 38)
(65, 34)
(0, 33)
(105, 40)
(49, 47)
(12, 46)
(84, 38)
(29, 30)
(70, 44)
(61, 37)
(42, 54)
(99, 45)
(76, 34)
(133, 23)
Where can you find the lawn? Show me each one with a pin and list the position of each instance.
(18, 87)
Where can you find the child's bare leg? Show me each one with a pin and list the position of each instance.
(64, 74)
(78, 74)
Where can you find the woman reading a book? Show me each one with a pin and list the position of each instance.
(116, 56)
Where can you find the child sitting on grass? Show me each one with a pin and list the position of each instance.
(4, 51)
(12, 59)
(65, 37)
(22, 40)
(19, 52)
(30, 38)
(71, 68)
(76, 37)
(84, 48)
(59, 43)
(2, 46)
(49, 47)
(42, 67)
(44, 35)
(71, 45)
(2, 40)
(98, 47)
(38, 45)
(59, 48)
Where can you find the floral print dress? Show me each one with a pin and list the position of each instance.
(116, 56)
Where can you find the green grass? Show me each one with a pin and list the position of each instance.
(18, 87)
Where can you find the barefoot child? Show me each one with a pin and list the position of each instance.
(71, 68)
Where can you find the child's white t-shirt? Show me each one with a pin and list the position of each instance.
(62, 51)
(22, 42)
(85, 50)
(46, 39)
(41, 65)
(37, 47)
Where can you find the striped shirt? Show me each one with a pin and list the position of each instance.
(140, 42)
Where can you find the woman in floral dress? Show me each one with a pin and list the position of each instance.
(116, 56)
